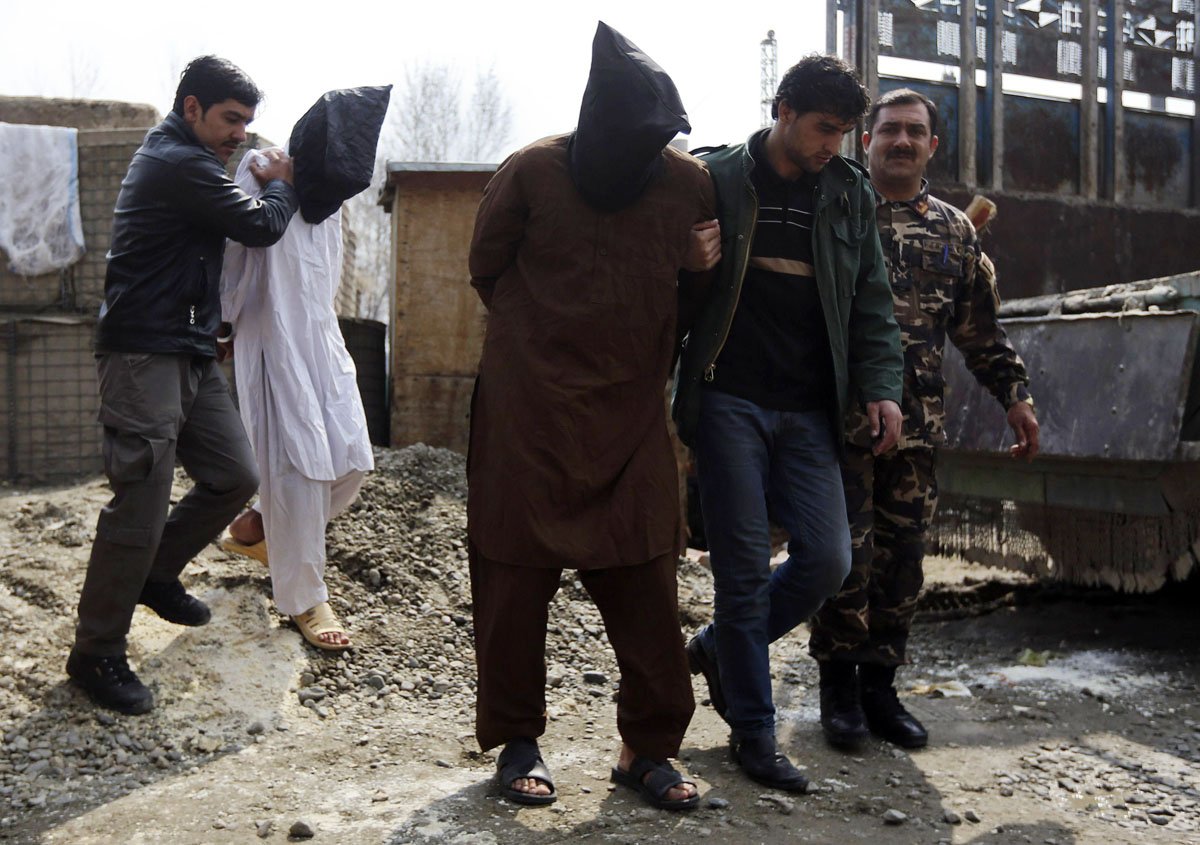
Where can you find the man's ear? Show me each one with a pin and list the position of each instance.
(866, 140)
(933, 145)
(192, 111)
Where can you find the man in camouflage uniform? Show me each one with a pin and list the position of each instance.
(942, 284)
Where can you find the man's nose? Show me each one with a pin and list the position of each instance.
(239, 134)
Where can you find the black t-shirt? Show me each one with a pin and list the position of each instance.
(777, 353)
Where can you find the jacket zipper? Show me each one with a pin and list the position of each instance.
(710, 371)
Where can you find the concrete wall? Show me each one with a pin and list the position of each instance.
(437, 320)
(82, 114)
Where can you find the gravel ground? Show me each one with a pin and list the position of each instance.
(1056, 716)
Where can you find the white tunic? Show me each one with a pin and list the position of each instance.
(297, 393)
(280, 302)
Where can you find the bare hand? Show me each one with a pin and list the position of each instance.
(704, 247)
(224, 340)
(278, 165)
(1024, 424)
(885, 419)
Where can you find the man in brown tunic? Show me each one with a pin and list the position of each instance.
(577, 246)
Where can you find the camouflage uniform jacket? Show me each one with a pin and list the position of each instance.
(942, 284)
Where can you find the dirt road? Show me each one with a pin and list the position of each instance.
(1055, 717)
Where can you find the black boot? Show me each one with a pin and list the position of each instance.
(763, 762)
(171, 601)
(886, 716)
(110, 682)
(842, 717)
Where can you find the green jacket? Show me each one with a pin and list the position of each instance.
(851, 278)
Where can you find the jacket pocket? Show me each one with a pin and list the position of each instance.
(197, 282)
(939, 273)
(848, 230)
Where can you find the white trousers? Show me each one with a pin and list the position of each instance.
(295, 512)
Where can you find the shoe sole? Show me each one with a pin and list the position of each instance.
(909, 745)
(801, 786)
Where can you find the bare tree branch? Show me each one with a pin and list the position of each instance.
(84, 75)
(488, 120)
(425, 116)
(425, 123)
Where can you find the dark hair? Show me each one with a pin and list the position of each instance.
(904, 97)
(822, 84)
(211, 80)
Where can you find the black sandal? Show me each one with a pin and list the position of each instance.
(522, 759)
(662, 777)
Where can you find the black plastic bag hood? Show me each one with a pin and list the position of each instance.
(333, 148)
(631, 110)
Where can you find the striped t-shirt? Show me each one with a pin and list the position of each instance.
(777, 353)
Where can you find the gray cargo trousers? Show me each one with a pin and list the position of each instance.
(156, 408)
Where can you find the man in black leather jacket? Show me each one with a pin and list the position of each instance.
(162, 396)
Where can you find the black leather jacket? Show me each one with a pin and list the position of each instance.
(176, 208)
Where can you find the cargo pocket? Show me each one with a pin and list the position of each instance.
(129, 459)
(929, 395)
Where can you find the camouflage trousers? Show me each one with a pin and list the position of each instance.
(890, 500)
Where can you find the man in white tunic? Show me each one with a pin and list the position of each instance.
(296, 382)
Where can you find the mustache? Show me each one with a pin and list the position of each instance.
(901, 154)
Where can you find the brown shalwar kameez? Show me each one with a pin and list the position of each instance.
(570, 462)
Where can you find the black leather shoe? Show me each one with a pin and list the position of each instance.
(886, 716)
(842, 717)
(171, 601)
(110, 682)
(699, 662)
(763, 762)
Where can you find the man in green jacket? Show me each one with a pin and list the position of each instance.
(796, 328)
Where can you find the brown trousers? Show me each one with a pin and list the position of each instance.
(640, 609)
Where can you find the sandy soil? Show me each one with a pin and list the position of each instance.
(1056, 716)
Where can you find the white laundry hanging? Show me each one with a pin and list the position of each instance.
(41, 229)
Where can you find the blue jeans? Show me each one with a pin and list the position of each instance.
(752, 461)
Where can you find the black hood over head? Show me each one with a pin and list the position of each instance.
(333, 148)
(631, 110)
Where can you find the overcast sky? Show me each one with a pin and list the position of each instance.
(540, 51)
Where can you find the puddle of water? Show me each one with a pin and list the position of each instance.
(1105, 672)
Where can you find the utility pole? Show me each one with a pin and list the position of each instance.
(769, 75)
